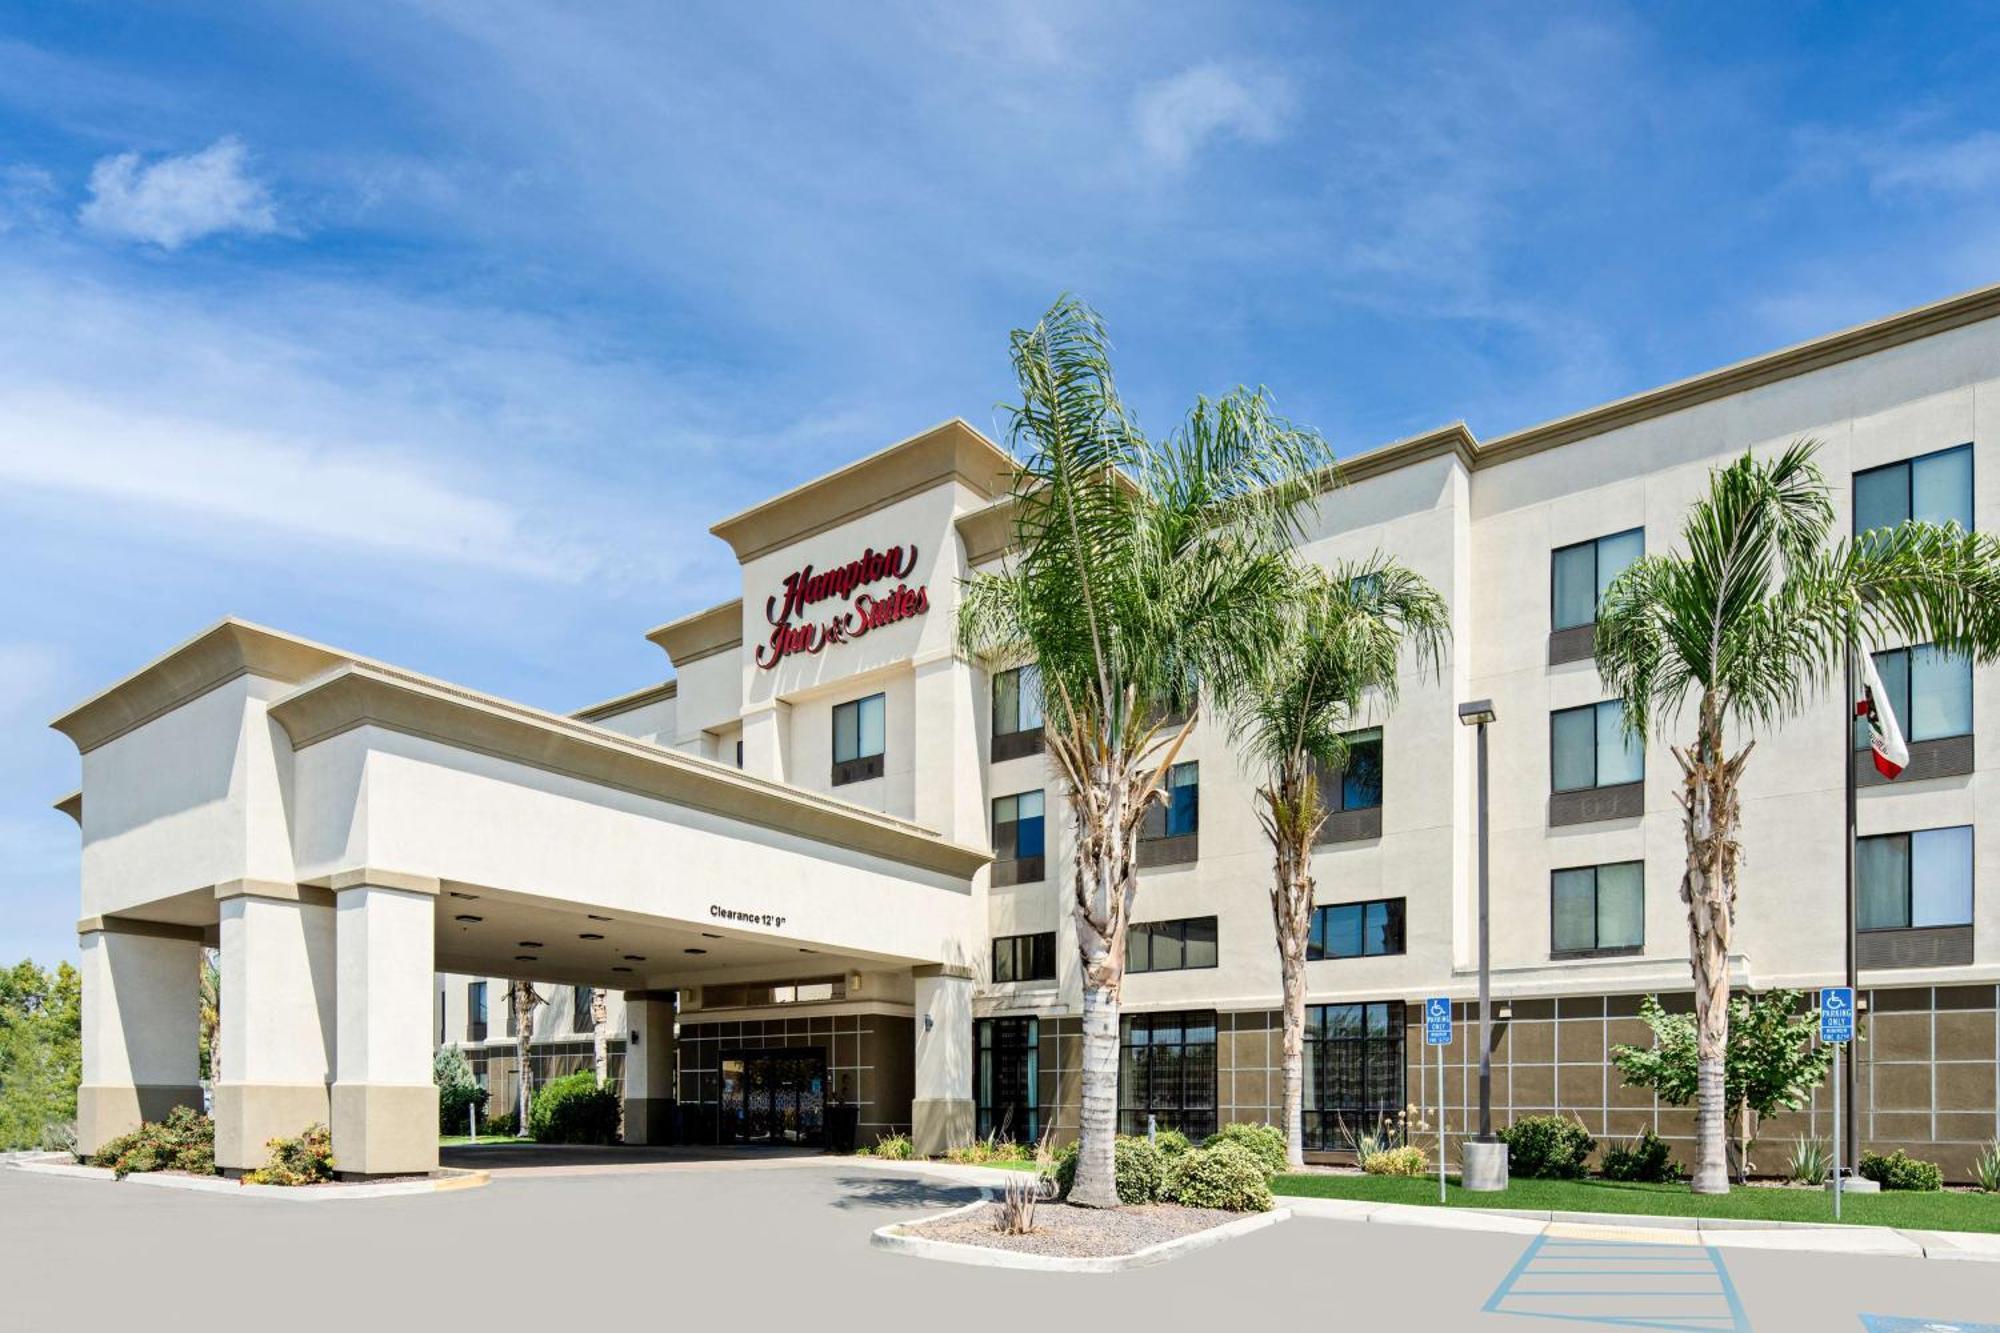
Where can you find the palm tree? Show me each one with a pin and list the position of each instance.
(1751, 621)
(523, 999)
(1348, 633)
(600, 1045)
(1145, 576)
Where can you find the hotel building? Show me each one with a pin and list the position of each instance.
(820, 864)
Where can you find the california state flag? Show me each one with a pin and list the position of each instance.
(1885, 735)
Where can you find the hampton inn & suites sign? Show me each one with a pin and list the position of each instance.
(800, 623)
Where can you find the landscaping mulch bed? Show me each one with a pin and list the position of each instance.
(1076, 1233)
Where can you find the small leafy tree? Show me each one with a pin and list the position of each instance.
(458, 1089)
(211, 1015)
(1770, 1064)
(41, 1051)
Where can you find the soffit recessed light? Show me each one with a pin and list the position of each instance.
(694, 951)
(710, 935)
(621, 969)
(588, 935)
(635, 958)
(808, 950)
(524, 958)
(595, 917)
(469, 897)
(466, 917)
(527, 944)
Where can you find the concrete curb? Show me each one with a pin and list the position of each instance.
(891, 1238)
(1724, 1233)
(447, 1180)
(957, 1173)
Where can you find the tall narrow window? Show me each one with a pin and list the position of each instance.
(475, 1011)
(1171, 835)
(1931, 488)
(1018, 839)
(857, 740)
(1166, 1070)
(1007, 1081)
(1598, 909)
(1582, 572)
(1353, 1071)
(1017, 712)
(580, 1009)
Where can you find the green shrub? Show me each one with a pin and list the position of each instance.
(1142, 1170)
(1227, 1175)
(1900, 1171)
(184, 1141)
(896, 1148)
(305, 1160)
(573, 1109)
(1264, 1142)
(992, 1148)
(1986, 1168)
(1810, 1164)
(1547, 1147)
(458, 1090)
(1172, 1143)
(1645, 1159)
(506, 1124)
(1405, 1161)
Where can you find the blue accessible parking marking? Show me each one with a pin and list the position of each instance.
(1889, 1323)
(1622, 1284)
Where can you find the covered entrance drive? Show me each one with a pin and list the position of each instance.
(342, 830)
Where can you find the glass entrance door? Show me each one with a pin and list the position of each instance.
(774, 1096)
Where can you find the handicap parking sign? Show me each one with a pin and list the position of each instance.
(1437, 1021)
(1836, 1014)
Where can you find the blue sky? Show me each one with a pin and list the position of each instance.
(443, 331)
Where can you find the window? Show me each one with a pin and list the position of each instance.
(1360, 778)
(1166, 1069)
(1025, 957)
(579, 1020)
(1017, 839)
(1598, 909)
(1170, 946)
(759, 993)
(475, 1011)
(1935, 488)
(1929, 690)
(1582, 572)
(1007, 1080)
(1906, 881)
(739, 753)
(1170, 834)
(1356, 930)
(857, 740)
(1017, 712)
(1353, 1071)
(1589, 747)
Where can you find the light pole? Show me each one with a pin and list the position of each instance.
(1484, 1158)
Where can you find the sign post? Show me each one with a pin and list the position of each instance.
(1437, 1033)
(1836, 1029)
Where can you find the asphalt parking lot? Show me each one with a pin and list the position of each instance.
(783, 1243)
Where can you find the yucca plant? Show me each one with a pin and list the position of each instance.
(1749, 620)
(1145, 577)
(1811, 1162)
(1986, 1168)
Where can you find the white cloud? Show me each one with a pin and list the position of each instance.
(1963, 166)
(1176, 117)
(27, 196)
(178, 199)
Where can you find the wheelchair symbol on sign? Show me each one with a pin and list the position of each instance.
(1440, 1009)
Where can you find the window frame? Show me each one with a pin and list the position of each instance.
(1014, 742)
(1009, 866)
(579, 999)
(1598, 711)
(475, 1010)
(859, 767)
(1196, 1121)
(1039, 950)
(987, 1050)
(1326, 1126)
(1909, 466)
(1158, 845)
(1909, 886)
(1596, 545)
(1177, 929)
(1396, 916)
(1597, 949)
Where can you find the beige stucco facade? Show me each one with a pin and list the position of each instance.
(364, 842)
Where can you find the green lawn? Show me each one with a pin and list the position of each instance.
(461, 1140)
(1945, 1211)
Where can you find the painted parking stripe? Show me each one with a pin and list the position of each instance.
(1889, 1323)
(1679, 1286)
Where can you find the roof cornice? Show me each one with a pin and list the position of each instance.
(355, 695)
(625, 703)
(952, 450)
(1799, 359)
(703, 634)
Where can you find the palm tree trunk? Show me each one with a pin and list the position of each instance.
(600, 1043)
(1097, 1164)
(525, 999)
(1295, 1057)
(1291, 819)
(1708, 887)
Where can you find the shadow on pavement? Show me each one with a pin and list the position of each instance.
(895, 1192)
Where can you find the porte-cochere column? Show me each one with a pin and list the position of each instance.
(141, 1025)
(385, 1106)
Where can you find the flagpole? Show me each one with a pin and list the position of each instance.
(1849, 1153)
